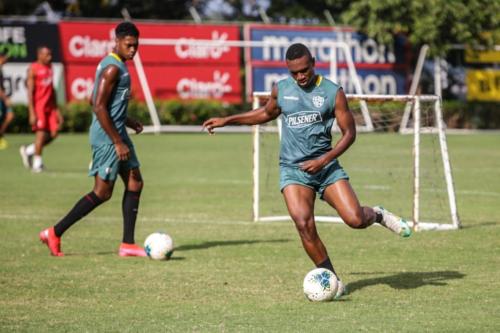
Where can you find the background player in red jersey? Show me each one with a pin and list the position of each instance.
(44, 116)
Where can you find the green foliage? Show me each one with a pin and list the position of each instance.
(438, 23)
(78, 115)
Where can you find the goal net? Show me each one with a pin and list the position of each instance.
(406, 170)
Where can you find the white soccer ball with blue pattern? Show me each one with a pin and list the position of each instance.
(159, 246)
(320, 285)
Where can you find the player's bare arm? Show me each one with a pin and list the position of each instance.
(30, 83)
(106, 83)
(134, 124)
(345, 121)
(260, 115)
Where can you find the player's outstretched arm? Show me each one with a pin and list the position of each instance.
(106, 83)
(345, 121)
(260, 115)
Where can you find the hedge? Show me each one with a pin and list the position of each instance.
(77, 116)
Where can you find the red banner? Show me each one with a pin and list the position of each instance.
(165, 82)
(177, 71)
(88, 42)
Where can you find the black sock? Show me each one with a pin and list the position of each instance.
(378, 217)
(327, 264)
(84, 206)
(130, 206)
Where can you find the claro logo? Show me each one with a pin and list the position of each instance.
(193, 88)
(184, 50)
(81, 88)
(85, 46)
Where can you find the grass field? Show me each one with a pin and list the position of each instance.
(229, 274)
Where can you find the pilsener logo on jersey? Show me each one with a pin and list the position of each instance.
(303, 119)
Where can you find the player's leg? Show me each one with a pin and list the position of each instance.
(41, 136)
(299, 200)
(31, 154)
(300, 203)
(53, 127)
(133, 183)
(5, 119)
(342, 197)
(47, 129)
(102, 191)
(105, 166)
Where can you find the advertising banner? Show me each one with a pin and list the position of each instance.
(176, 71)
(21, 40)
(381, 69)
(193, 82)
(483, 85)
(372, 81)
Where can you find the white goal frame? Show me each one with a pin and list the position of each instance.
(415, 100)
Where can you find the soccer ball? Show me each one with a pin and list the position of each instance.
(320, 285)
(159, 246)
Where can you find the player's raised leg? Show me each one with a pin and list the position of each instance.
(342, 197)
(133, 182)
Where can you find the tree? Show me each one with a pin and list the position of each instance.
(438, 23)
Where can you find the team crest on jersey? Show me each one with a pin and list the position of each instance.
(303, 119)
(318, 101)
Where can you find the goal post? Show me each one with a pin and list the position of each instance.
(414, 176)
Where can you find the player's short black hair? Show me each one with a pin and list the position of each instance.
(298, 50)
(126, 29)
(42, 46)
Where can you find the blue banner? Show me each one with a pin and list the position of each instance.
(372, 81)
(380, 69)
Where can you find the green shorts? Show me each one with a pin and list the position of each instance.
(331, 173)
(106, 164)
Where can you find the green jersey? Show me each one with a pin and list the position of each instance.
(307, 118)
(117, 105)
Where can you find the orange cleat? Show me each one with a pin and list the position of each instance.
(53, 242)
(131, 250)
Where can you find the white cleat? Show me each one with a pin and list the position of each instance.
(25, 157)
(392, 222)
(341, 290)
(38, 170)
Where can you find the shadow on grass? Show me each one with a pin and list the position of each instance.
(206, 245)
(408, 280)
(482, 224)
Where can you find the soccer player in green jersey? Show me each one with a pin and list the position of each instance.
(113, 153)
(308, 104)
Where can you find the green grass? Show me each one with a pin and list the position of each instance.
(229, 274)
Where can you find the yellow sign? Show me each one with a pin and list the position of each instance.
(487, 56)
(483, 85)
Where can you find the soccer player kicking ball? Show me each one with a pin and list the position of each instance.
(113, 153)
(309, 104)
